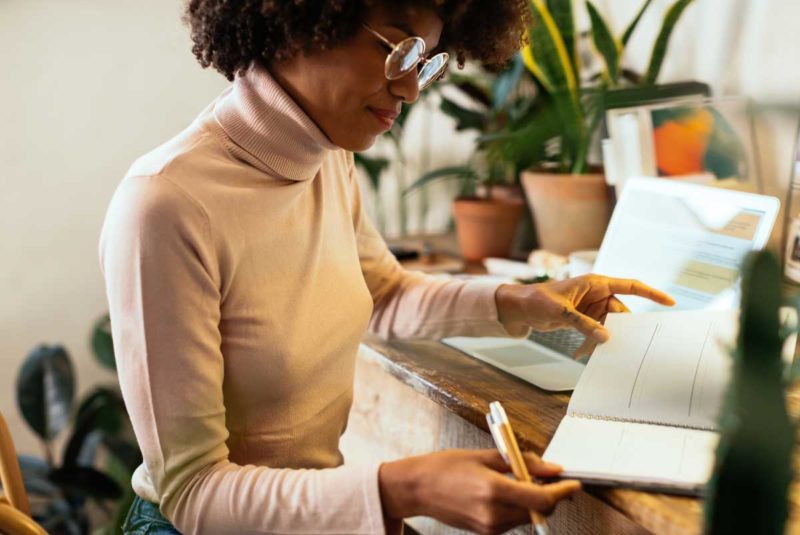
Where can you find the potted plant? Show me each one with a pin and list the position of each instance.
(568, 196)
(89, 484)
(489, 204)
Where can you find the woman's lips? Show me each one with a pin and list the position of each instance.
(385, 117)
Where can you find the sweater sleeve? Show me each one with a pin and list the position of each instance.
(411, 304)
(162, 281)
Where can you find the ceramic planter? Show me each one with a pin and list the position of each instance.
(570, 212)
(486, 227)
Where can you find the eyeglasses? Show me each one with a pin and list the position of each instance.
(406, 55)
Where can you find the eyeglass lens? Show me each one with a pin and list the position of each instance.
(432, 70)
(404, 57)
(407, 54)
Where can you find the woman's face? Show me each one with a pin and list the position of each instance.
(344, 89)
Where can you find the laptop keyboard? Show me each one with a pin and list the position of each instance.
(565, 341)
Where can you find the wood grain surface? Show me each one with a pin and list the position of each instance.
(465, 386)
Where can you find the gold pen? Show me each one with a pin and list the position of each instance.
(506, 442)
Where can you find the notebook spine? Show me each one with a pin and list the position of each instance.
(587, 416)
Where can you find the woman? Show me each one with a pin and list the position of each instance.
(241, 273)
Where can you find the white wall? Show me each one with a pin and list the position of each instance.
(86, 86)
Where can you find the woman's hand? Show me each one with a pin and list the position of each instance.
(582, 303)
(467, 489)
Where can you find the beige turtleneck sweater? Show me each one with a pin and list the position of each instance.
(241, 273)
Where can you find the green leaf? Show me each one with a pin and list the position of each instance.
(373, 167)
(463, 173)
(465, 119)
(526, 144)
(662, 41)
(555, 71)
(635, 22)
(127, 453)
(605, 42)
(636, 96)
(45, 390)
(103, 411)
(563, 16)
(103, 344)
(506, 81)
(551, 54)
(34, 476)
(85, 481)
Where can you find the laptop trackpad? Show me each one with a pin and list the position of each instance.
(531, 362)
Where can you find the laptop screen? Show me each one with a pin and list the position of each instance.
(686, 239)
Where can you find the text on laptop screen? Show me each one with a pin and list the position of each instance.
(689, 243)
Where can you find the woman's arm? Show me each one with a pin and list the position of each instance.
(409, 304)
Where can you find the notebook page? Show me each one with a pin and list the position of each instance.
(631, 452)
(659, 367)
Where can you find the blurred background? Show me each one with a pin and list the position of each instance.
(88, 86)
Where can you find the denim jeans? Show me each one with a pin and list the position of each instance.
(144, 518)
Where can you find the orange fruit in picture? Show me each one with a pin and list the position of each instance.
(681, 143)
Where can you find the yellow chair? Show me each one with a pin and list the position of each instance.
(15, 509)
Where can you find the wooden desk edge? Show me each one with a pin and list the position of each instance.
(420, 365)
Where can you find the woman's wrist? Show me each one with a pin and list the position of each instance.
(509, 309)
(399, 486)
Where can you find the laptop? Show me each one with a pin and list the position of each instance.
(686, 239)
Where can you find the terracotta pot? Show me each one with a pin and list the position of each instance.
(570, 212)
(486, 227)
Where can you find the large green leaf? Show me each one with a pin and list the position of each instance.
(127, 453)
(563, 16)
(550, 52)
(573, 132)
(605, 42)
(662, 41)
(555, 71)
(103, 411)
(526, 144)
(373, 167)
(34, 475)
(636, 96)
(635, 22)
(103, 344)
(45, 390)
(465, 119)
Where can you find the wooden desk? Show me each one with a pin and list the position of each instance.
(418, 397)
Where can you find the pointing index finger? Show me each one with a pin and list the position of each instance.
(634, 287)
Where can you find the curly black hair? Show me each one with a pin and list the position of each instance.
(230, 34)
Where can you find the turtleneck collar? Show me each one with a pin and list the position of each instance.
(262, 119)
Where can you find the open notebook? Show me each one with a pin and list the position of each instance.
(644, 412)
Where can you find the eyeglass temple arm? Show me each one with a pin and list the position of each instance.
(379, 36)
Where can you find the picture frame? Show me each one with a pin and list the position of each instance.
(699, 139)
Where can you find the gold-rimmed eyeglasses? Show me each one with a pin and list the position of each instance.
(409, 53)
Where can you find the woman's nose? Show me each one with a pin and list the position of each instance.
(406, 87)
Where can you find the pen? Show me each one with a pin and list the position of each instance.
(503, 435)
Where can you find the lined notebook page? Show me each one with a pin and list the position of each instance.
(629, 452)
(659, 367)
